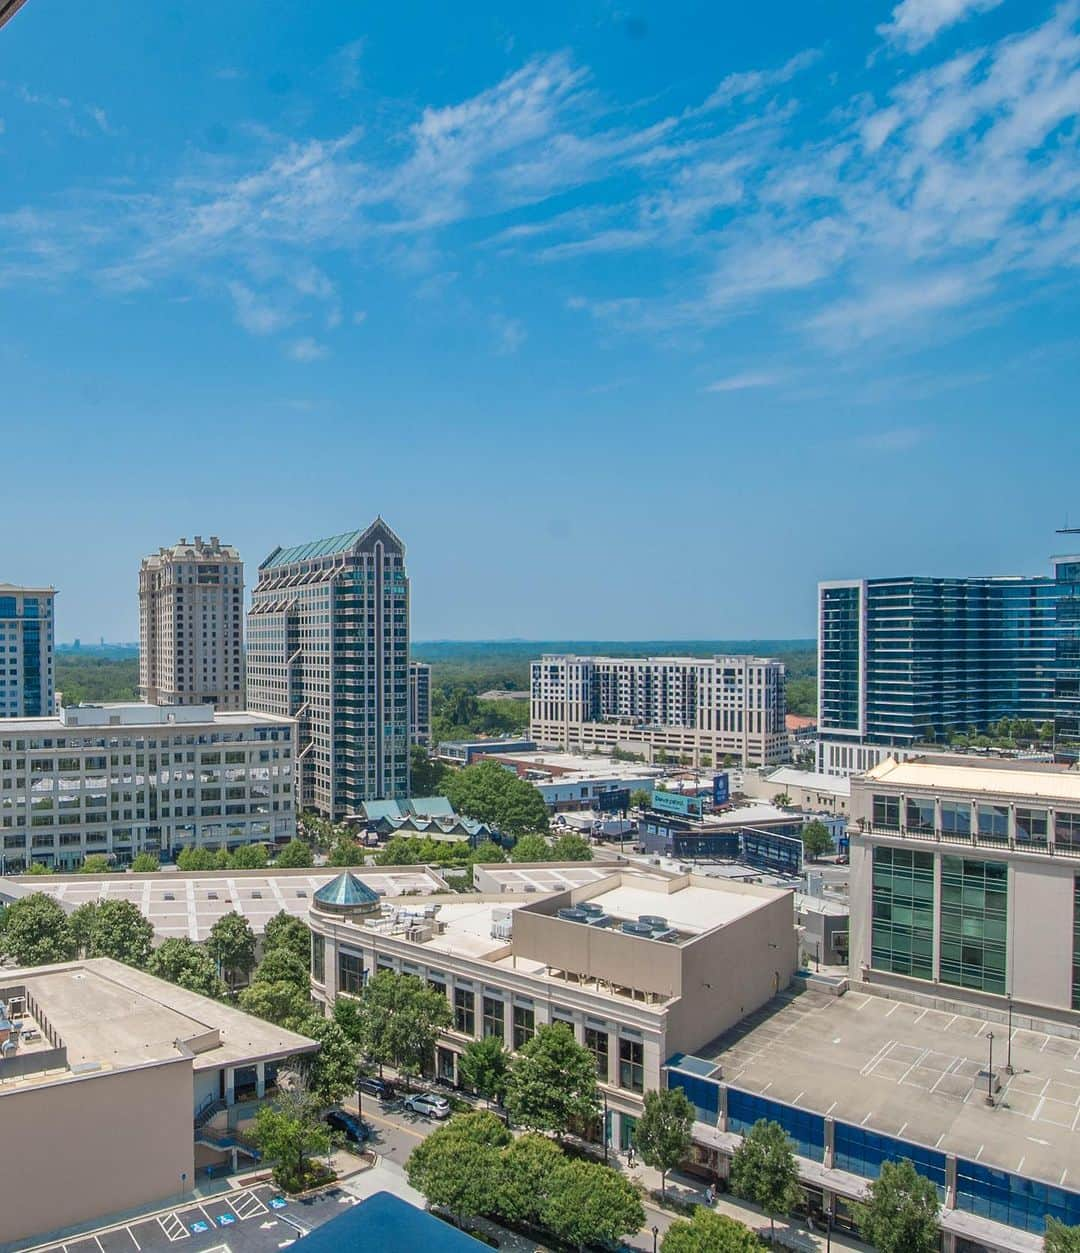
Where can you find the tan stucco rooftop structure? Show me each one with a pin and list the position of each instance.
(1041, 782)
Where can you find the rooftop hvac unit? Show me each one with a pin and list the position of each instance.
(573, 915)
(590, 907)
(654, 921)
(668, 936)
(599, 920)
(637, 928)
(502, 929)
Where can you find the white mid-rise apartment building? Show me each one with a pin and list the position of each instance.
(698, 709)
(122, 779)
(26, 651)
(191, 625)
(328, 644)
(420, 703)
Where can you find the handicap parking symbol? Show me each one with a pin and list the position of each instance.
(278, 1202)
(225, 1219)
(200, 1226)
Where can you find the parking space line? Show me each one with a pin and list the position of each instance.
(133, 1240)
(174, 1222)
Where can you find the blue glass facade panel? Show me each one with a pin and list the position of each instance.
(862, 1152)
(805, 1128)
(1006, 1198)
(703, 1094)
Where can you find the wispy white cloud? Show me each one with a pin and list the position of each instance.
(895, 440)
(915, 23)
(306, 350)
(749, 84)
(510, 334)
(346, 64)
(745, 381)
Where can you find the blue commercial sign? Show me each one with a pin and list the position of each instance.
(721, 789)
(677, 803)
(614, 801)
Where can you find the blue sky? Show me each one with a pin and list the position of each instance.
(634, 322)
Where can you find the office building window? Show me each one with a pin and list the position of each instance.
(1076, 944)
(494, 1018)
(956, 818)
(902, 926)
(1032, 826)
(920, 814)
(350, 973)
(597, 1044)
(464, 1011)
(524, 1025)
(887, 811)
(318, 958)
(993, 822)
(1067, 830)
(632, 1065)
(974, 919)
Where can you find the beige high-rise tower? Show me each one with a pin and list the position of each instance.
(191, 615)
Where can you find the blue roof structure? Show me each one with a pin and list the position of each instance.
(346, 890)
(315, 548)
(390, 1225)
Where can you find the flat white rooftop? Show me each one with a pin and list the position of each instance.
(692, 909)
(131, 716)
(541, 878)
(787, 776)
(189, 904)
(1048, 783)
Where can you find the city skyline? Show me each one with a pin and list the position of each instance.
(574, 297)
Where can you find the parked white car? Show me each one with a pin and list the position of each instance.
(428, 1104)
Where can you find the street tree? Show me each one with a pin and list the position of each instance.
(289, 1133)
(816, 840)
(119, 930)
(95, 863)
(487, 853)
(763, 1170)
(294, 856)
(348, 1018)
(498, 797)
(188, 965)
(285, 931)
(283, 965)
(345, 851)
(640, 798)
(400, 1020)
(782, 800)
(192, 858)
(901, 1211)
(526, 1168)
(330, 1074)
(588, 1204)
(231, 943)
(82, 926)
(1060, 1238)
(249, 857)
(483, 1066)
(552, 1082)
(145, 863)
(710, 1232)
(455, 1172)
(37, 931)
(426, 775)
(663, 1132)
(531, 847)
(571, 847)
(280, 1002)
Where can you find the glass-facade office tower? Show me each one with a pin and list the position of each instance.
(26, 652)
(1067, 685)
(328, 645)
(904, 660)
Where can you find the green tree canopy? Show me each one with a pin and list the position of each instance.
(498, 797)
(188, 965)
(294, 856)
(709, 1232)
(763, 1170)
(118, 929)
(588, 1203)
(901, 1211)
(145, 863)
(531, 848)
(552, 1082)
(426, 775)
(487, 853)
(400, 1019)
(282, 965)
(231, 943)
(95, 863)
(348, 1018)
(82, 926)
(37, 931)
(1061, 1238)
(663, 1132)
(484, 1065)
(285, 931)
(571, 847)
(345, 851)
(455, 1172)
(524, 1179)
(289, 1133)
(249, 857)
(330, 1074)
(399, 850)
(640, 798)
(816, 839)
(193, 858)
(281, 1002)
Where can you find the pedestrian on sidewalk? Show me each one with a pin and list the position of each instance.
(630, 1157)
(710, 1196)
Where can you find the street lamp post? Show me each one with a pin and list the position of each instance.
(606, 1133)
(655, 1236)
(1008, 1044)
(990, 1070)
(828, 1229)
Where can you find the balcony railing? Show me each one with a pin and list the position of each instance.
(1060, 848)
